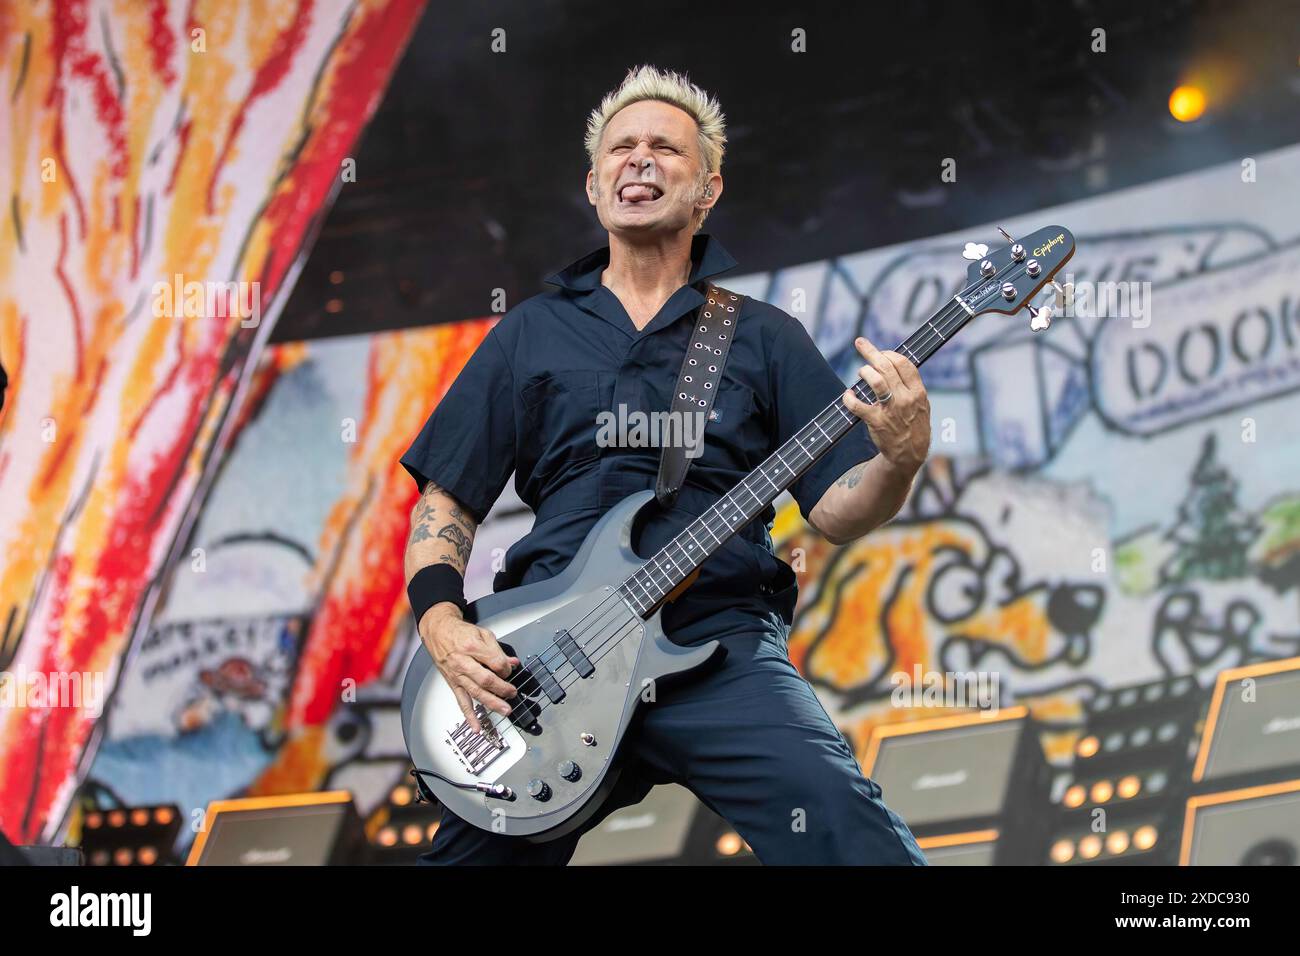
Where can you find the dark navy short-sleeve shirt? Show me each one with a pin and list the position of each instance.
(529, 400)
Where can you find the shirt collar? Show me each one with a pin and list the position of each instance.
(708, 259)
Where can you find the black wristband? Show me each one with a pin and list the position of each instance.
(433, 585)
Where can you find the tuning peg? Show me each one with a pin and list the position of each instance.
(1040, 319)
(1064, 295)
(1006, 235)
(975, 251)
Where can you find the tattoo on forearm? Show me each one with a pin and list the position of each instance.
(424, 525)
(459, 540)
(853, 476)
(422, 515)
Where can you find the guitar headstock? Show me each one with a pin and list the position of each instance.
(1007, 277)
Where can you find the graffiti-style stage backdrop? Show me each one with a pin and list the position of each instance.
(163, 164)
(1108, 502)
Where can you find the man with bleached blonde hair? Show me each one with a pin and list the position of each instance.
(650, 85)
(748, 737)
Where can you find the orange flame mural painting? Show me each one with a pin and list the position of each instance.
(165, 164)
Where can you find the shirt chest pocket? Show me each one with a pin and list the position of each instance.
(560, 420)
(732, 433)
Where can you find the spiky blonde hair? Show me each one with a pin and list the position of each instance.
(676, 89)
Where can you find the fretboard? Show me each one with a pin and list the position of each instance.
(646, 588)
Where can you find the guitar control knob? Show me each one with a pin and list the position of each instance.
(569, 770)
(539, 790)
(588, 739)
(1018, 252)
(1032, 268)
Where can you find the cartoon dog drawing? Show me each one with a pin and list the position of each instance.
(940, 589)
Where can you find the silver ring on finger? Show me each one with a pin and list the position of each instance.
(885, 398)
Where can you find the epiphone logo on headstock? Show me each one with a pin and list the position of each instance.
(1047, 247)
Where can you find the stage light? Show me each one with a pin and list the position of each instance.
(336, 276)
(1102, 791)
(1117, 842)
(1129, 787)
(1062, 851)
(1145, 837)
(729, 844)
(1075, 795)
(400, 829)
(1090, 847)
(1088, 746)
(130, 835)
(1187, 103)
(334, 305)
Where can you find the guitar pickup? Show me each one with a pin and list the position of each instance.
(535, 670)
(574, 655)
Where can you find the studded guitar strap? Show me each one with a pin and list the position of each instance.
(697, 384)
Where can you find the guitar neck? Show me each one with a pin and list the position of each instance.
(647, 587)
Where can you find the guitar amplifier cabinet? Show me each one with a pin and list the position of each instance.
(303, 829)
(53, 855)
(977, 848)
(1252, 731)
(11, 855)
(1252, 826)
(658, 829)
(966, 773)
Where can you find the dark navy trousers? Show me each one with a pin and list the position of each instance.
(750, 739)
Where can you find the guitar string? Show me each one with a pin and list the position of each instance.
(629, 597)
(944, 316)
(620, 632)
(835, 409)
(580, 627)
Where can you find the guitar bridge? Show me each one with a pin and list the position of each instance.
(476, 751)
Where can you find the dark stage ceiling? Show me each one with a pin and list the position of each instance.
(470, 177)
